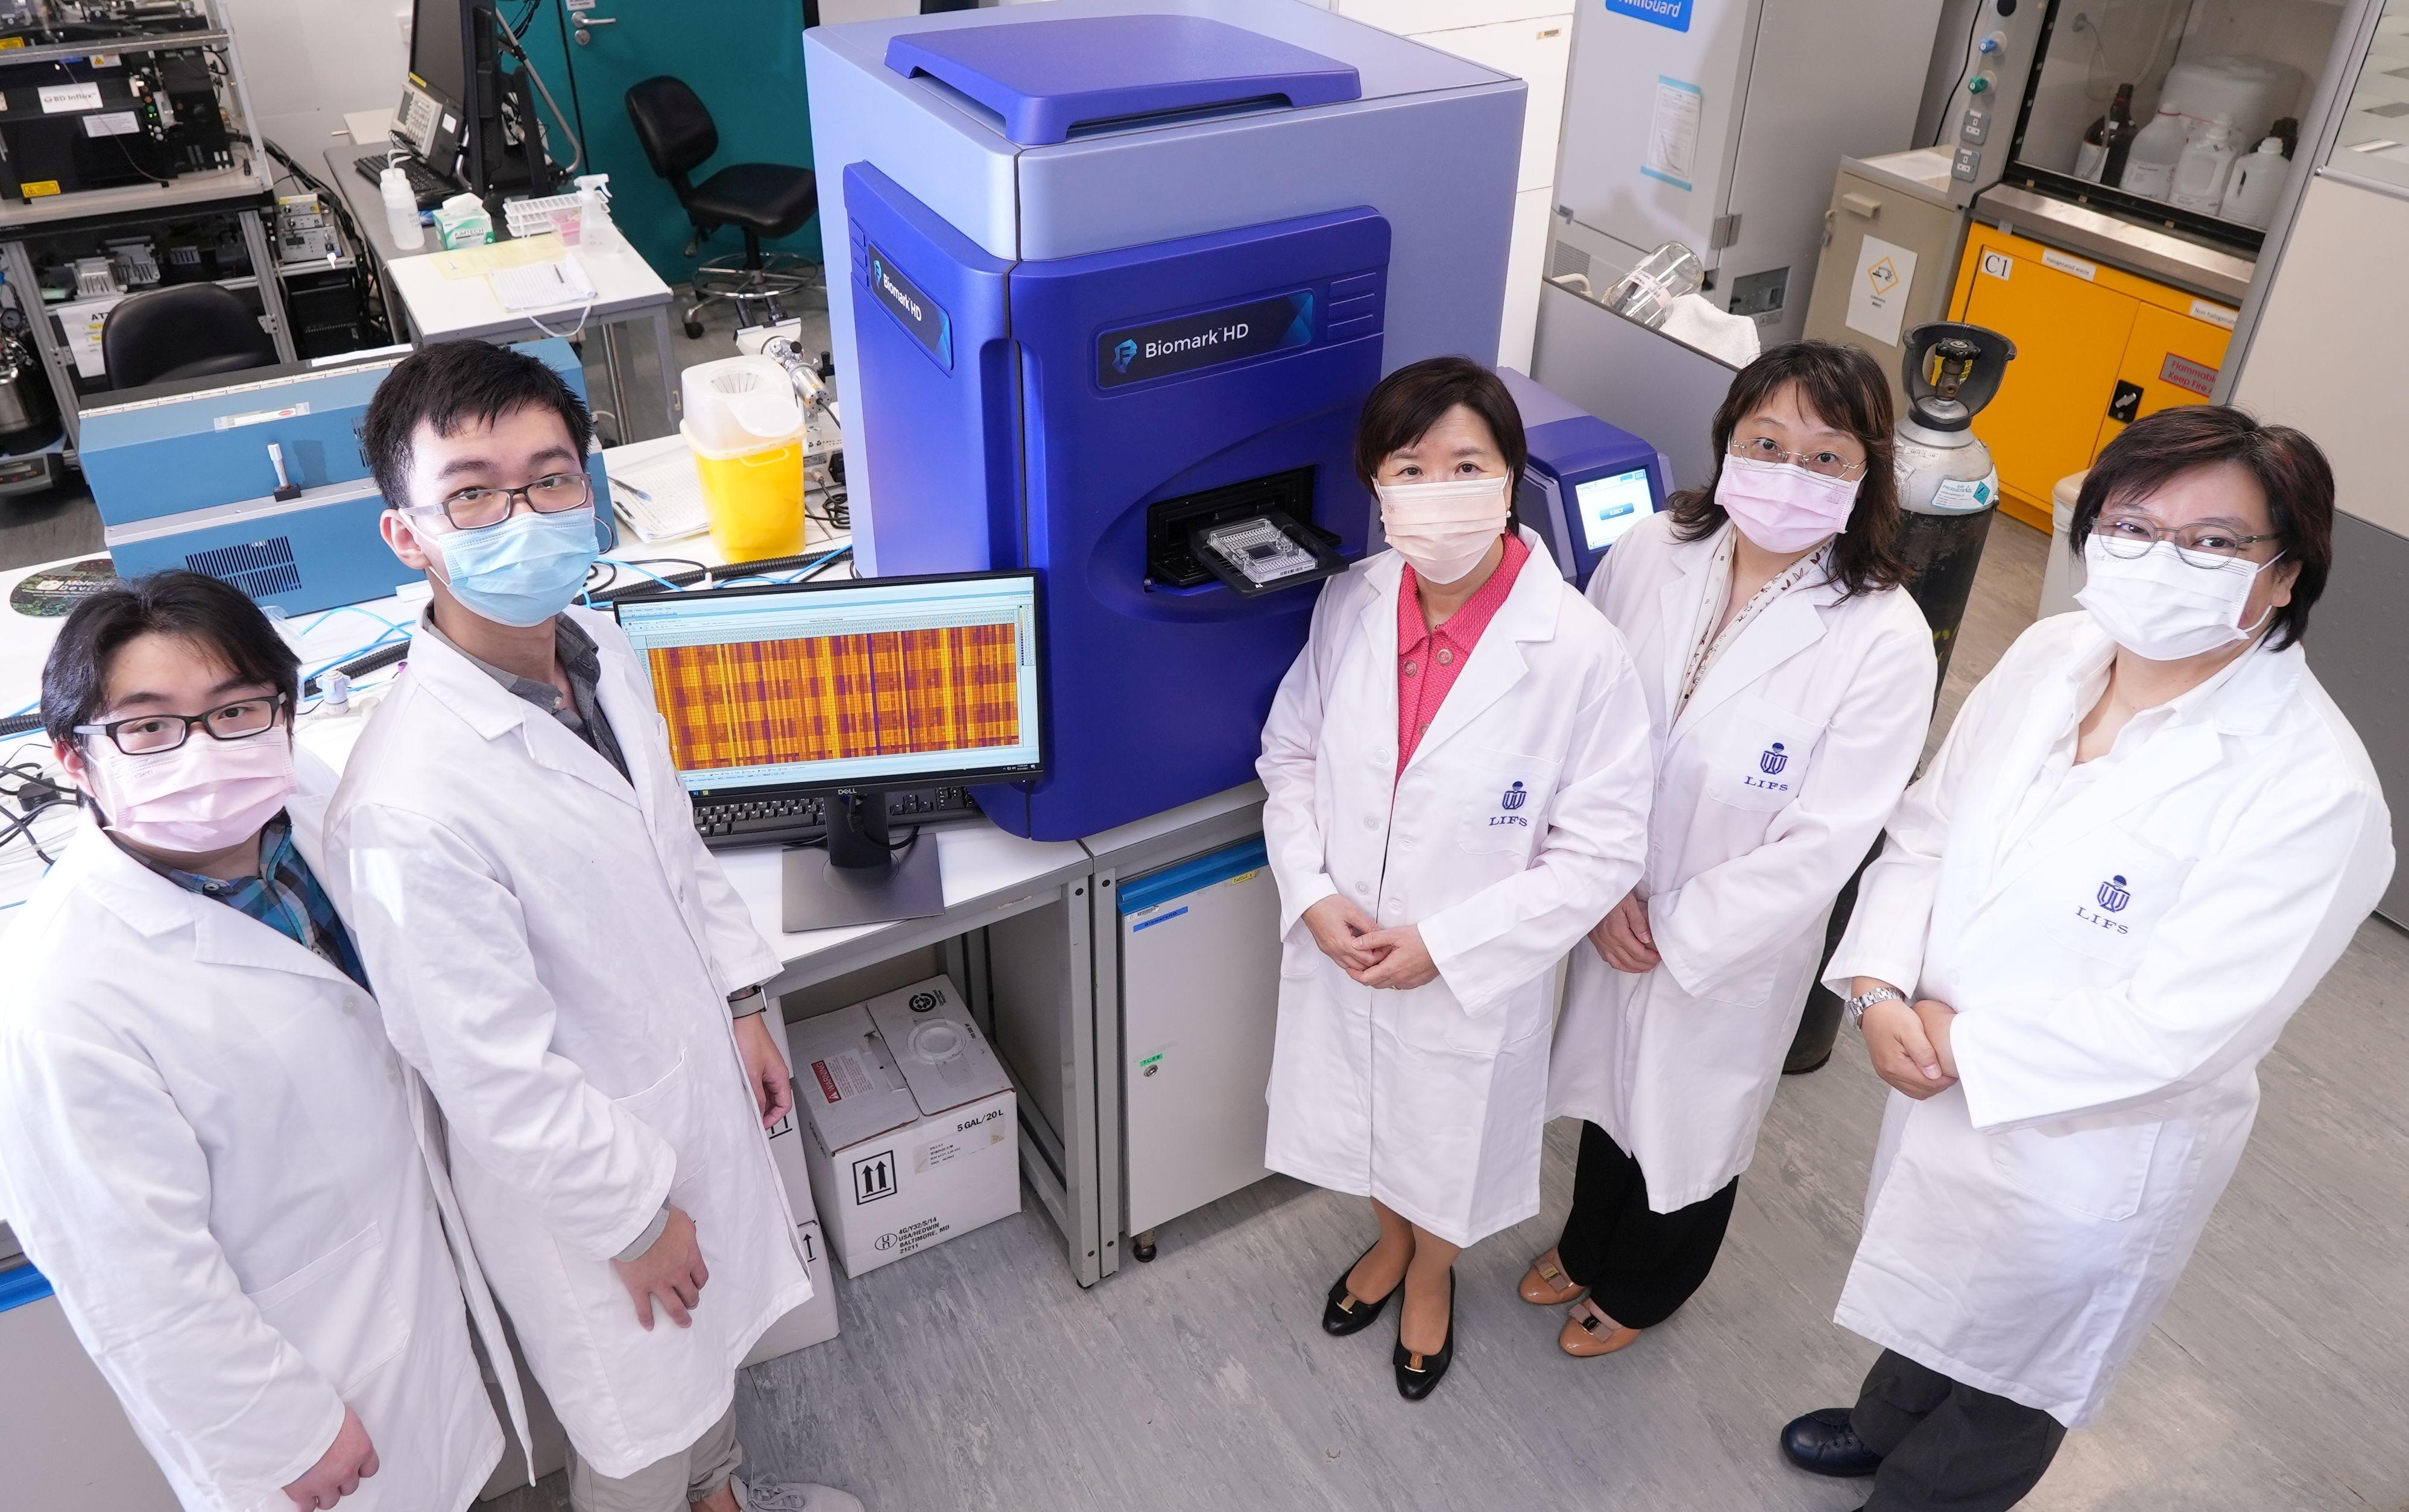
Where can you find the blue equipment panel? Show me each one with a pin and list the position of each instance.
(1049, 84)
(184, 480)
(1605, 480)
(1078, 410)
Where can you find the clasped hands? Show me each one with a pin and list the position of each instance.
(1377, 958)
(1908, 1042)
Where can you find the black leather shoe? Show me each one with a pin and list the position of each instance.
(1418, 1375)
(1343, 1312)
(1825, 1443)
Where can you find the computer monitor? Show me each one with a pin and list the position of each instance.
(844, 690)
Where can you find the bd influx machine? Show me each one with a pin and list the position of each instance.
(1116, 278)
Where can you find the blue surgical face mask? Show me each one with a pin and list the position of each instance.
(524, 570)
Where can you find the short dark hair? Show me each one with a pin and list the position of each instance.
(449, 384)
(1844, 388)
(2292, 472)
(210, 613)
(1402, 407)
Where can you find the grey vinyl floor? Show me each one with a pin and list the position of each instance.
(979, 1376)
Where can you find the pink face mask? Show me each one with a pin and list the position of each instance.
(1781, 506)
(1445, 528)
(203, 797)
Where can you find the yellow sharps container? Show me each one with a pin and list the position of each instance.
(745, 429)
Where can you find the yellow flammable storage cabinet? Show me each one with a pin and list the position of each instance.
(2097, 348)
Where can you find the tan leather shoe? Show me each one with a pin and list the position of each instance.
(1589, 1332)
(1545, 1284)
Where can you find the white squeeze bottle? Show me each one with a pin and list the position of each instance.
(2205, 165)
(2257, 180)
(2150, 167)
(401, 210)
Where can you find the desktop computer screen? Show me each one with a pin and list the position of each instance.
(880, 680)
(439, 48)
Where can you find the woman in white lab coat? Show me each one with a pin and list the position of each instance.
(1789, 679)
(205, 1141)
(2147, 837)
(1438, 845)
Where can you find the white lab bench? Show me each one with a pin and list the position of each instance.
(441, 308)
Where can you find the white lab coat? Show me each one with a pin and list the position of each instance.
(2118, 971)
(208, 1146)
(1771, 788)
(1520, 820)
(554, 950)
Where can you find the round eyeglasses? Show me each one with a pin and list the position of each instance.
(1824, 464)
(2208, 547)
(157, 734)
(482, 509)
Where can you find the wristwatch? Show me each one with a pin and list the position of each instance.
(1863, 1001)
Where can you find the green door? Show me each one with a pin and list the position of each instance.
(743, 57)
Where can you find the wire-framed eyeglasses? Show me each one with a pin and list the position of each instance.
(1824, 462)
(2208, 547)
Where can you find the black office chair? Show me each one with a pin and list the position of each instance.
(191, 330)
(761, 199)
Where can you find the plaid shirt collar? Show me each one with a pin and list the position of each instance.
(284, 895)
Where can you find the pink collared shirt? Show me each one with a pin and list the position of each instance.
(1428, 661)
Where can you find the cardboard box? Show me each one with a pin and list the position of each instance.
(814, 1321)
(912, 1129)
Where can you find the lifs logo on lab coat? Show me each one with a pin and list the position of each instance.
(1509, 801)
(2115, 896)
(1770, 763)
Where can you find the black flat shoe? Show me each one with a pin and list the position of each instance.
(1418, 1375)
(1343, 1312)
(1824, 1442)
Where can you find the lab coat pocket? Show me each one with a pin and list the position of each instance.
(2097, 1170)
(1300, 952)
(339, 1310)
(1506, 802)
(1759, 754)
(2105, 896)
(662, 1106)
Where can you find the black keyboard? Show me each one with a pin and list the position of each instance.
(429, 187)
(792, 818)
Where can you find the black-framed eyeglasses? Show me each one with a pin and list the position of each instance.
(482, 509)
(1824, 462)
(2208, 547)
(157, 734)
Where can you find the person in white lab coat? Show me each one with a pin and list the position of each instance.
(1790, 678)
(1439, 842)
(206, 1144)
(557, 954)
(2148, 836)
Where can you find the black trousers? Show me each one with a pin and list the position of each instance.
(1947, 1446)
(1640, 1266)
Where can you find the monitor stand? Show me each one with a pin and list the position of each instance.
(856, 878)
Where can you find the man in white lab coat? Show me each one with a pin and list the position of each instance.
(2148, 836)
(561, 958)
(205, 1141)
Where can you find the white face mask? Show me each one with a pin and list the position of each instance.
(2161, 607)
(1444, 529)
